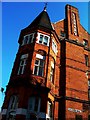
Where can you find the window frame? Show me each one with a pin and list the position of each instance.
(43, 40)
(12, 102)
(74, 24)
(50, 109)
(54, 46)
(22, 67)
(24, 42)
(34, 98)
(52, 72)
(85, 43)
(86, 60)
(62, 34)
(40, 59)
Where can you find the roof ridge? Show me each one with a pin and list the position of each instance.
(58, 21)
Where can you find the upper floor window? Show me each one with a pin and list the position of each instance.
(52, 72)
(22, 65)
(62, 33)
(43, 39)
(54, 47)
(28, 39)
(86, 60)
(85, 42)
(39, 65)
(74, 23)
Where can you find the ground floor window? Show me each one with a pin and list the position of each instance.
(89, 117)
(78, 117)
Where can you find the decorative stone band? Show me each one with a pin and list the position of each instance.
(38, 114)
(4, 111)
(19, 111)
(74, 110)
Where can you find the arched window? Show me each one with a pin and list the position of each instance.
(27, 39)
(39, 65)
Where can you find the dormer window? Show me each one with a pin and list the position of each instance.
(85, 43)
(62, 34)
(43, 39)
(27, 39)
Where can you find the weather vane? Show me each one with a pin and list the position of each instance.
(45, 6)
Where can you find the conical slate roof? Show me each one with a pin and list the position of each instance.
(42, 20)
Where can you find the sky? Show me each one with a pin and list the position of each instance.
(18, 15)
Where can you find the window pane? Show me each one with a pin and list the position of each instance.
(35, 70)
(40, 72)
(37, 62)
(30, 39)
(45, 42)
(86, 60)
(26, 40)
(51, 74)
(41, 39)
(20, 70)
(31, 103)
(21, 62)
(50, 109)
(36, 104)
(42, 63)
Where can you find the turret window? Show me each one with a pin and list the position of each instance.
(39, 65)
(43, 39)
(22, 65)
(28, 39)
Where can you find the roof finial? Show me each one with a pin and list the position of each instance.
(45, 6)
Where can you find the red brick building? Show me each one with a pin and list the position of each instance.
(50, 78)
